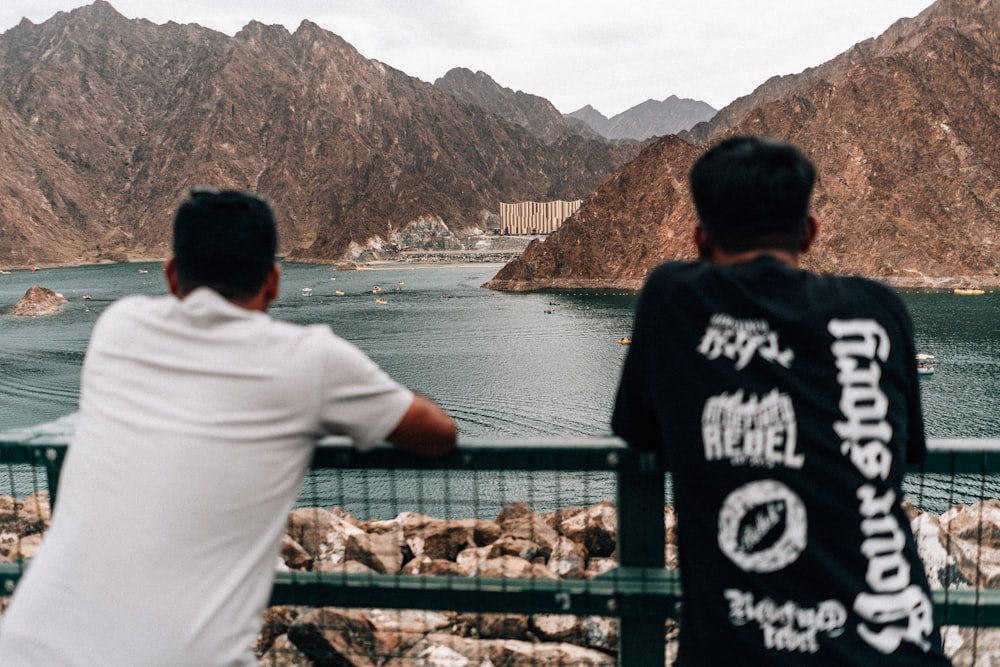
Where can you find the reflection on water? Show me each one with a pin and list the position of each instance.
(542, 364)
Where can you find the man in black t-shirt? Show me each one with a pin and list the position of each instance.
(786, 406)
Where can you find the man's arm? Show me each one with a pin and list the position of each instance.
(425, 429)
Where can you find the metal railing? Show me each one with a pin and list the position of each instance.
(641, 592)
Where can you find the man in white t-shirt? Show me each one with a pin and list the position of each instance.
(198, 416)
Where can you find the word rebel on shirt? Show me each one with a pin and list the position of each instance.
(760, 431)
(857, 350)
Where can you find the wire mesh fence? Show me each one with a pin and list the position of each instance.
(520, 552)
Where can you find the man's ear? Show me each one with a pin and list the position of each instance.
(170, 273)
(812, 229)
(702, 242)
(271, 285)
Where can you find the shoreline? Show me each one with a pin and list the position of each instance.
(989, 283)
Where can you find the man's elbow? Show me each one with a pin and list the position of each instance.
(425, 429)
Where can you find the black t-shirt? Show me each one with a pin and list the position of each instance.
(785, 405)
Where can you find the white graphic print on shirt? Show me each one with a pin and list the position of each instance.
(859, 347)
(762, 526)
(787, 627)
(756, 432)
(739, 340)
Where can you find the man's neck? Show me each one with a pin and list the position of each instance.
(722, 258)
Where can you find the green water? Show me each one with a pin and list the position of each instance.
(543, 364)
(503, 364)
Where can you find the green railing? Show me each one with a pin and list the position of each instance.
(641, 592)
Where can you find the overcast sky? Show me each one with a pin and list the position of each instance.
(612, 54)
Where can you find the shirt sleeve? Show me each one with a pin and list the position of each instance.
(357, 397)
(916, 443)
(634, 419)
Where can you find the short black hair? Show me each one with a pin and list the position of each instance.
(225, 240)
(753, 192)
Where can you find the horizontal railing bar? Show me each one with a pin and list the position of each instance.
(960, 455)
(967, 607)
(623, 592)
(59, 432)
(590, 454)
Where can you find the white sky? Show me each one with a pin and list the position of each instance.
(612, 54)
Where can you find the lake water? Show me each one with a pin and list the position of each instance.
(540, 364)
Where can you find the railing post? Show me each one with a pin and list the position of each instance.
(641, 542)
(53, 468)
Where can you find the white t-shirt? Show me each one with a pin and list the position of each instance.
(196, 427)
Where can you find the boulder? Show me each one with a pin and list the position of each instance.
(39, 301)
(517, 520)
(431, 566)
(595, 528)
(971, 535)
(323, 534)
(328, 636)
(495, 626)
(569, 559)
(382, 553)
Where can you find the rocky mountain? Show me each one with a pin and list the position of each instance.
(902, 37)
(651, 118)
(533, 113)
(905, 134)
(104, 121)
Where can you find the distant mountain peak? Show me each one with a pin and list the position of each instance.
(647, 119)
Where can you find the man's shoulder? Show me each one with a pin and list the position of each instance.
(859, 290)
(675, 272)
(132, 306)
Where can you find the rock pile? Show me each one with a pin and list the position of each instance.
(960, 550)
(39, 301)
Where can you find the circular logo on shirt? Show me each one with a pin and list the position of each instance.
(762, 526)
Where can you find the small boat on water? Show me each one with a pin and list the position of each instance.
(925, 364)
(627, 340)
(307, 291)
(5, 273)
(381, 302)
(143, 270)
(86, 297)
(376, 289)
(339, 292)
(968, 291)
(400, 283)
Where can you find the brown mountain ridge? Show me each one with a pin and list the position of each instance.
(104, 121)
(905, 133)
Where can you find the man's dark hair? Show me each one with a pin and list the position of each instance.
(224, 240)
(753, 193)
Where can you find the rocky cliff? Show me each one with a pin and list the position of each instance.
(902, 37)
(906, 138)
(533, 113)
(104, 121)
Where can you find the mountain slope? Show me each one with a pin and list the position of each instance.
(533, 113)
(108, 120)
(907, 145)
